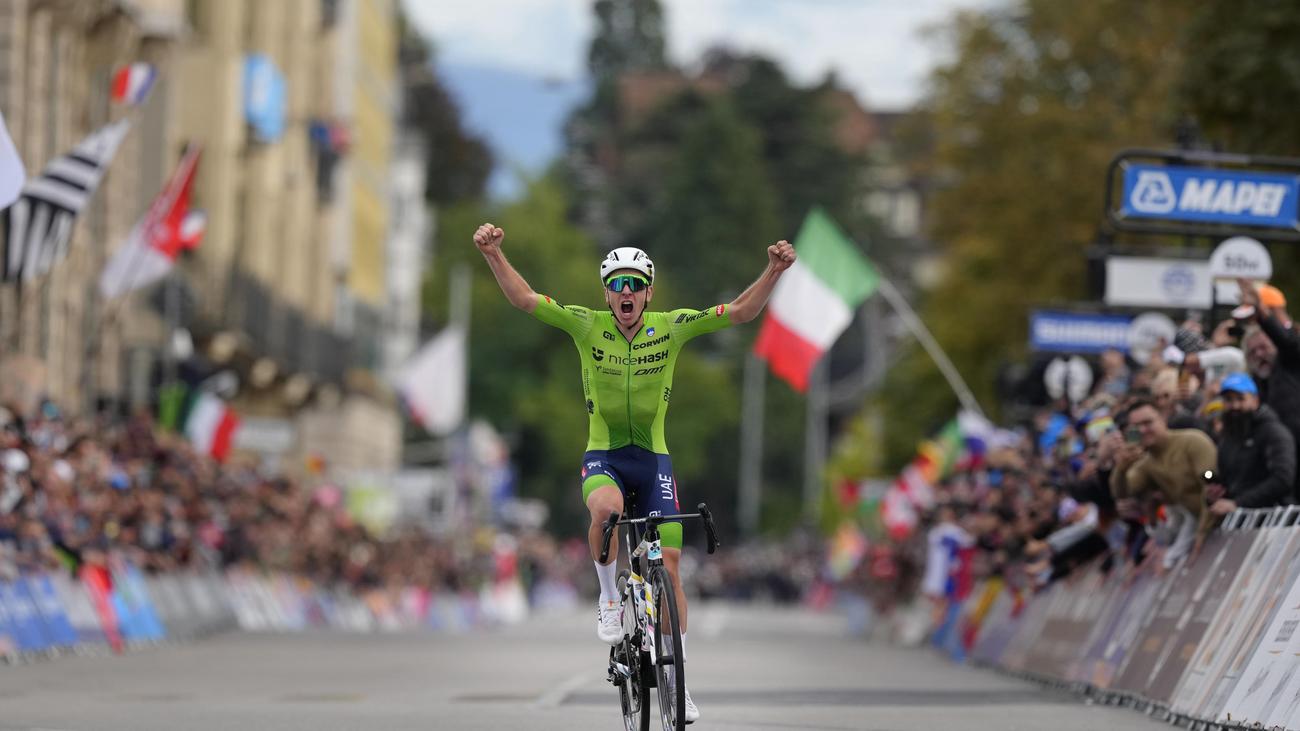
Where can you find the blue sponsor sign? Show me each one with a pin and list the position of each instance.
(8, 631)
(51, 609)
(1069, 332)
(26, 622)
(1211, 196)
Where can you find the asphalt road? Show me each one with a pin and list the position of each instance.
(748, 668)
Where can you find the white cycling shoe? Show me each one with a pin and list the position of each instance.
(692, 713)
(609, 622)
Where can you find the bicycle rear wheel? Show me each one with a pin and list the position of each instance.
(670, 668)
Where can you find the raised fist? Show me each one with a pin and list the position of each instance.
(780, 255)
(488, 238)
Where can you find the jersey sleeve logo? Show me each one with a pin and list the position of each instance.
(717, 312)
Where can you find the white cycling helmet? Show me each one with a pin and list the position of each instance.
(627, 257)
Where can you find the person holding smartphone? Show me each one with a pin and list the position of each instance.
(1169, 464)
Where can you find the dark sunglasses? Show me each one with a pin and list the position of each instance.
(633, 282)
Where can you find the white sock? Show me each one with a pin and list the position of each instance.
(608, 576)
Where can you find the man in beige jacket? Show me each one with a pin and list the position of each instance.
(1168, 466)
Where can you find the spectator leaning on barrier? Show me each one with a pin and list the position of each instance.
(1168, 465)
(1257, 455)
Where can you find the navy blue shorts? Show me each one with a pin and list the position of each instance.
(644, 477)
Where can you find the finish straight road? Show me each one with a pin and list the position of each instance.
(748, 668)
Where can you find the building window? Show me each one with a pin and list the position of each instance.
(329, 13)
(194, 16)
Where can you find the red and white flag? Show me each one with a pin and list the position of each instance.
(433, 383)
(166, 229)
(132, 83)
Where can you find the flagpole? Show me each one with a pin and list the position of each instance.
(461, 310)
(749, 504)
(918, 328)
(815, 436)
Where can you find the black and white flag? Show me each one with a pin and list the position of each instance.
(38, 226)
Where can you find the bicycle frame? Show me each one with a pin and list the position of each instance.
(642, 616)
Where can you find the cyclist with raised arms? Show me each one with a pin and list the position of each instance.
(628, 356)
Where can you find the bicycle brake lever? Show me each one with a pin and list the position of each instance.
(710, 530)
(608, 530)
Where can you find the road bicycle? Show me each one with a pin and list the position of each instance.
(649, 655)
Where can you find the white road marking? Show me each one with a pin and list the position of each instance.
(555, 696)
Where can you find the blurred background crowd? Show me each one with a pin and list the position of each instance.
(1134, 474)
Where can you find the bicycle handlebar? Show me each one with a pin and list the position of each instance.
(614, 520)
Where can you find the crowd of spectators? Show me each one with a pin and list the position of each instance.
(77, 491)
(1139, 472)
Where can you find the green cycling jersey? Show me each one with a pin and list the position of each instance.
(628, 384)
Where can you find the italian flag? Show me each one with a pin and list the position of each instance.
(814, 301)
(204, 418)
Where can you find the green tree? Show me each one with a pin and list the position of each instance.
(717, 206)
(796, 126)
(629, 37)
(1241, 79)
(1241, 82)
(1026, 117)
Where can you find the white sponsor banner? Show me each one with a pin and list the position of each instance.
(1270, 680)
(1149, 282)
(265, 436)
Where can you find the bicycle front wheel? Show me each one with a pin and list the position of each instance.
(633, 690)
(670, 668)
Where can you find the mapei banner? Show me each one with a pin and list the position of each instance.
(1205, 195)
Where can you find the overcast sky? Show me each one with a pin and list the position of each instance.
(874, 45)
